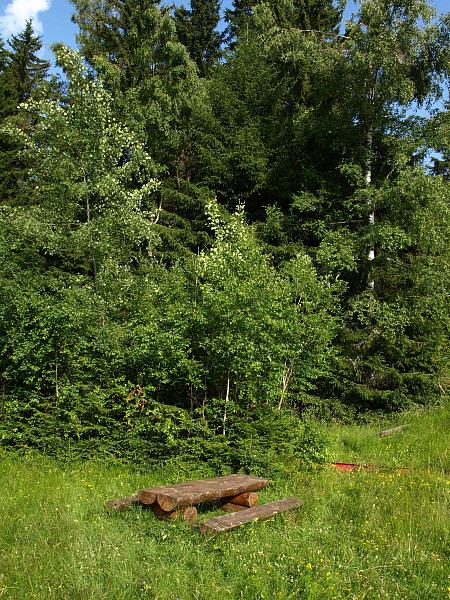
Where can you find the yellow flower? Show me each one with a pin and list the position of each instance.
(309, 566)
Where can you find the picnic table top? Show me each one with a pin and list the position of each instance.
(182, 495)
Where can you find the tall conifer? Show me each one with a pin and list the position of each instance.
(27, 69)
(197, 30)
(23, 73)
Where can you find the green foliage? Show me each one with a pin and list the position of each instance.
(396, 341)
(22, 74)
(138, 316)
(93, 185)
(196, 29)
(26, 68)
(133, 47)
(318, 15)
(83, 232)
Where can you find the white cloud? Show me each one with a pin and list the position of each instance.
(17, 12)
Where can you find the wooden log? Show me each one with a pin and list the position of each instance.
(147, 497)
(387, 432)
(248, 500)
(163, 514)
(122, 503)
(258, 513)
(189, 514)
(230, 507)
(193, 492)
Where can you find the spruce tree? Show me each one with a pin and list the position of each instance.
(3, 56)
(8, 96)
(23, 73)
(439, 135)
(196, 29)
(27, 70)
(124, 37)
(238, 19)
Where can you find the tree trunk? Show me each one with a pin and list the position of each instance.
(88, 220)
(285, 381)
(227, 397)
(371, 207)
(56, 372)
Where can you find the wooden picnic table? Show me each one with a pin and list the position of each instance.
(183, 495)
(235, 493)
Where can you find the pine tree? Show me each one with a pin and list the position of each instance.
(8, 96)
(239, 19)
(196, 29)
(126, 38)
(23, 74)
(4, 55)
(27, 70)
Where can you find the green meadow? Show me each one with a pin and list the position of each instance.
(362, 535)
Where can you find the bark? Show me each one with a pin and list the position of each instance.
(285, 381)
(193, 492)
(248, 499)
(227, 397)
(259, 513)
(371, 207)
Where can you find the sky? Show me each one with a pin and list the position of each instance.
(51, 19)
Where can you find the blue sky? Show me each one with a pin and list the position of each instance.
(52, 18)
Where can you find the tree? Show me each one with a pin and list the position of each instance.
(391, 62)
(439, 136)
(22, 74)
(346, 130)
(89, 170)
(312, 15)
(239, 19)
(133, 47)
(27, 70)
(82, 239)
(235, 334)
(197, 30)
(395, 57)
(278, 325)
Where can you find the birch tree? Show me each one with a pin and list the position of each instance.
(391, 63)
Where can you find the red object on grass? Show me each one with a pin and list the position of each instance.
(352, 466)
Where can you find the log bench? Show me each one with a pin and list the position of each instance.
(235, 494)
(248, 515)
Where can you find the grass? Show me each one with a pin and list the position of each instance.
(364, 535)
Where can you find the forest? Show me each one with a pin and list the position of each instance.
(218, 232)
